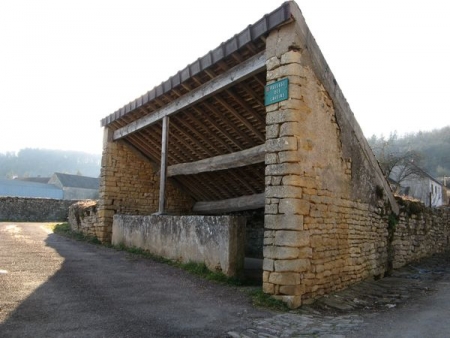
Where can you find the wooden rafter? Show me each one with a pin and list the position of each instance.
(221, 82)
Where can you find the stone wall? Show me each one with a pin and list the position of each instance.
(327, 203)
(330, 217)
(129, 185)
(83, 217)
(419, 232)
(21, 209)
(217, 241)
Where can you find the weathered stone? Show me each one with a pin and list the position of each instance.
(296, 91)
(283, 169)
(290, 129)
(289, 157)
(280, 252)
(281, 116)
(20, 209)
(268, 288)
(272, 131)
(268, 264)
(282, 143)
(305, 252)
(271, 158)
(271, 209)
(276, 180)
(83, 217)
(293, 265)
(283, 191)
(216, 241)
(284, 278)
(293, 290)
(295, 239)
(292, 69)
(294, 206)
(291, 57)
(284, 222)
(272, 63)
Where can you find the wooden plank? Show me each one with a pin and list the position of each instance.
(223, 81)
(234, 160)
(163, 172)
(229, 205)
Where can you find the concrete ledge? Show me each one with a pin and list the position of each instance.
(217, 241)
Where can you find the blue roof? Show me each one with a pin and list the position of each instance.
(16, 188)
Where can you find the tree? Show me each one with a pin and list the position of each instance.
(396, 163)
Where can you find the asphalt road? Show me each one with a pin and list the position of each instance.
(51, 286)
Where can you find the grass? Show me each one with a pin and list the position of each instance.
(259, 298)
(64, 229)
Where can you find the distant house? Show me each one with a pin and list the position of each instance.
(76, 187)
(34, 179)
(19, 188)
(421, 186)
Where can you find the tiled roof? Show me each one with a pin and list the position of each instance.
(251, 33)
(76, 181)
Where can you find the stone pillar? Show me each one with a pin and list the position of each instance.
(108, 189)
(287, 249)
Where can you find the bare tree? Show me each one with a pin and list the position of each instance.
(396, 164)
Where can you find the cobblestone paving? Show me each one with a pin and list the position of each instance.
(294, 325)
(337, 315)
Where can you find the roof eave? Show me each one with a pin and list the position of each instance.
(263, 26)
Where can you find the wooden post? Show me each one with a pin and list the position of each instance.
(163, 172)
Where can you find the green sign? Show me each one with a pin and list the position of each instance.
(276, 92)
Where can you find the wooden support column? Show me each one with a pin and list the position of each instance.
(163, 171)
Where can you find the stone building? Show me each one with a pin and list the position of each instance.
(258, 123)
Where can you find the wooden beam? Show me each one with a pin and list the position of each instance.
(221, 82)
(234, 160)
(163, 172)
(229, 205)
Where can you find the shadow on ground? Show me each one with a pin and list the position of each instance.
(101, 292)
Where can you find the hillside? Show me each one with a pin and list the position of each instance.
(43, 162)
(433, 148)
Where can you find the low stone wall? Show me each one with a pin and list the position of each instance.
(20, 209)
(217, 241)
(419, 232)
(83, 218)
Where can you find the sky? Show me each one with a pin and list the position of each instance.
(65, 65)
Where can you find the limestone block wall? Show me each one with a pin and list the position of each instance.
(129, 185)
(420, 232)
(83, 217)
(327, 203)
(217, 241)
